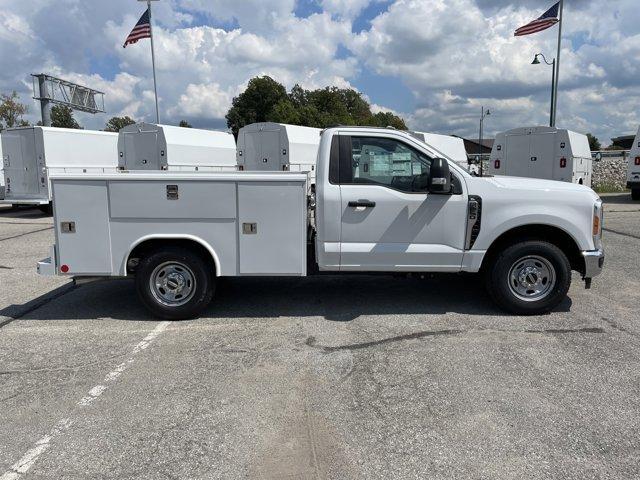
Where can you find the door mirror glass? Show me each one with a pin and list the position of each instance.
(439, 181)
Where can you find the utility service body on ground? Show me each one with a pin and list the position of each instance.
(148, 146)
(384, 202)
(633, 170)
(542, 152)
(31, 155)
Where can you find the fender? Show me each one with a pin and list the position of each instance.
(170, 236)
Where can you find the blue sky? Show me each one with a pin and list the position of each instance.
(435, 62)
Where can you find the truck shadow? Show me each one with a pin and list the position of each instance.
(334, 298)
(23, 212)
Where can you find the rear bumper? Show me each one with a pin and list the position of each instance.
(593, 262)
(24, 201)
(47, 267)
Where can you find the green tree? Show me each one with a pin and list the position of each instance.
(12, 111)
(388, 119)
(116, 123)
(265, 100)
(256, 103)
(62, 117)
(594, 143)
(185, 124)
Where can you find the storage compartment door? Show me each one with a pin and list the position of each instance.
(517, 156)
(543, 149)
(20, 164)
(82, 226)
(141, 151)
(272, 228)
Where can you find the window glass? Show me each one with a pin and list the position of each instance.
(384, 161)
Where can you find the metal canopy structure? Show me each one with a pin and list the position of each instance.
(48, 89)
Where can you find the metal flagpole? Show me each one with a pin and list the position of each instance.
(153, 62)
(555, 97)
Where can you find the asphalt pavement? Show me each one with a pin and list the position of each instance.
(331, 377)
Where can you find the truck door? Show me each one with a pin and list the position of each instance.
(141, 150)
(270, 156)
(543, 149)
(517, 156)
(389, 222)
(20, 165)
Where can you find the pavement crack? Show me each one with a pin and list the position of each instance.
(618, 327)
(622, 233)
(562, 331)
(25, 233)
(311, 341)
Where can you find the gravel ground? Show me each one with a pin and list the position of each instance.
(327, 377)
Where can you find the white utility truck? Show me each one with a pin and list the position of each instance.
(542, 152)
(148, 146)
(633, 171)
(446, 146)
(269, 146)
(31, 155)
(384, 202)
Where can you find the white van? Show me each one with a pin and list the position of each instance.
(149, 146)
(449, 146)
(633, 171)
(32, 154)
(542, 152)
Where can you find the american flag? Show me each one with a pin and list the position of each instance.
(548, 19)
(141, 30)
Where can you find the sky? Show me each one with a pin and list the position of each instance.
(434, 62)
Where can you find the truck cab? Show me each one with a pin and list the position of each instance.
(384, 202)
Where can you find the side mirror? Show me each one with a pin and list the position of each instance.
(440, 177)
(598, 156)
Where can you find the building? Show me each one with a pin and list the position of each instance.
(473, 147)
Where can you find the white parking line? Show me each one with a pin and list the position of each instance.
(29, 458)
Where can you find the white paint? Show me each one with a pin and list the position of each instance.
(31, 456)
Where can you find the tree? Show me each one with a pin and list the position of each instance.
(255, 104)
(116, 123)
(11, 111)
(62, 117)
(265, 100)
(594, 143)
(185, 124)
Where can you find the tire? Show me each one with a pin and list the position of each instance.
(635, 194)
(175, 283)
(529, 278)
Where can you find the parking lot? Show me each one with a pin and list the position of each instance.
(326, 377)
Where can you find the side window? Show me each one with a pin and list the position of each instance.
(388, 162)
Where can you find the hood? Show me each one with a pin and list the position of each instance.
(535, 185)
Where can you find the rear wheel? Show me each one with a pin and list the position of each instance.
(635, 193)
(529, 278)
(175, 283)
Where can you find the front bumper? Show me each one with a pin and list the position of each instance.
(593, 262)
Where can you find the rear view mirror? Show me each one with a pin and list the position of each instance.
(440, 177)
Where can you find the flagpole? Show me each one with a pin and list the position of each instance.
(153, 62)
(557, 68)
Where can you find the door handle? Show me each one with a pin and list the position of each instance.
(362, 203)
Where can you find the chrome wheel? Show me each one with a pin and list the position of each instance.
(172, 284)
(532, 278)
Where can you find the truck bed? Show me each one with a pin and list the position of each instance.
(251, 223)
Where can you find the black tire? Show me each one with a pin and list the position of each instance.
(193, 267)
(47, 208)
(515, 258)
(635, 194)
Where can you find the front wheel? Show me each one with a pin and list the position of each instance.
(529, 278)
(174, 283)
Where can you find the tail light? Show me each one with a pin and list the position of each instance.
(496, 164)
(563, 162)
(240, 167)
(637, 160)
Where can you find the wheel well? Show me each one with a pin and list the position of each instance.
(546, 233)
(147, 246)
